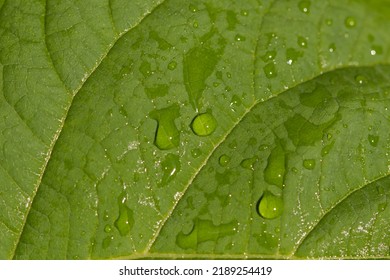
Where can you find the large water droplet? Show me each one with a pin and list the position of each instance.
(248, 163)
(270, 206)
(276, 167)
(167, 135)
(125, 221)
(204, 124)
(170, 167)
(309, 164)
(350, 22)
(373, 140)
(204, 230)
(224, 160)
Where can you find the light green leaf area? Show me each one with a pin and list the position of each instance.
(194, 129)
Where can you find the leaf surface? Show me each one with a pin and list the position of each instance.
(100, 160)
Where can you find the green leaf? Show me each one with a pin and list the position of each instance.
(194, 129)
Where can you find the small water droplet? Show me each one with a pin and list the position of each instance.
(239, 38)
(105, 215)
(263, 147)
(107, 228)
(172, 65)
(193, 8)
(244, 13)
(329, 22)
(204, 124)
(248, 163)
(275, 169)
(294, 169)
(167, 135)
(269, 55)
(196, 152)
(376, 50)
(270, 70)
(373, 140)
(292, 55)
(170, 167)
(270, 206)
(332, 47)
(233, 145)
(304, 6)
(195, 24)
(325, 150)
(224, 160)
(350, 22)
(107, 241)
(361, 80)
(302, 42)
(125, 221)
(204, 230)
(382, 206)
(309, 164)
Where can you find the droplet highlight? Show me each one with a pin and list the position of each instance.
(304, 6)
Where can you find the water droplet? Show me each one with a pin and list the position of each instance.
(170, 167)
(304, 6)
(196, 152)
(294, 169)
(244, 13)
(350, 22)
(224, 160)
(263, 147)
(107, 241)
(270, 70)
(193, 8)
(167, 135)
(248, 163)
(302, 42)
(172, 65)
(235, 101)
(292, 55)
(231, 19)
(376, 50)
(332, 47)
(125, 221)
(198, 65)
(239, 38)
(382, 206)
(107, 228)
(233, 145)
(105, 215)
(156, 91)
(329, 22)
(275, 169)
(270, 206)
(325, 150)
(205, 230)
(269, 55)
(195, 24)
(204, 124)
(361, 80)
(373, 140)
(309, 164)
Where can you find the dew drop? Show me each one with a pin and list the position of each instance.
(196, 152)
(107, 229)
(376, 50)
(304, 6)
(204, 230)
(382, 206)
(268, 56)
(373, 140)
(167, 135)
(361, 80)
(172, 65)
(224, 160)
(125, 221)
(292, 55)
(248, 163)
(107, 241)
(204, 124)
(302, 42)
(239, 38)
(328, 22)
(195, 24)
(275, 169)
(325, 150)
(193, 8)
(332, 48)
(350, 22)
(309, 164)
(270, 206)
(170, 167)
(270, 70)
